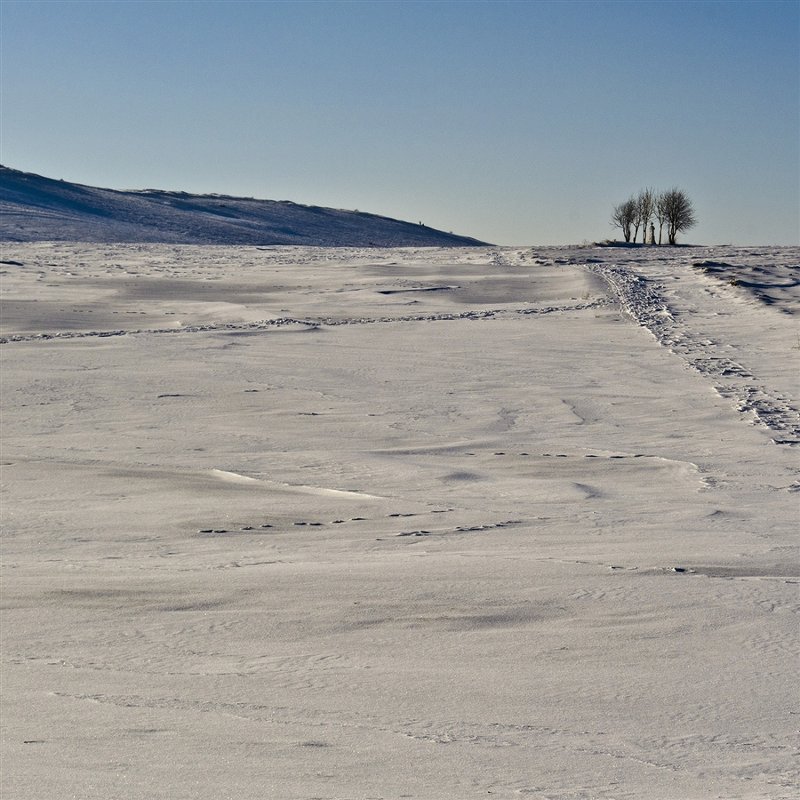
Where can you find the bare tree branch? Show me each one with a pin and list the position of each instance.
(623, 217)
(645, 205)
(680, 215)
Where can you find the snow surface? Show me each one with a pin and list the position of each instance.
(428, 523)
(34, 208)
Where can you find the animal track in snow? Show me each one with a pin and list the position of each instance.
(260, 528)
(460, 529)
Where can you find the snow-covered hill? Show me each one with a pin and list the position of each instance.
(34, 208)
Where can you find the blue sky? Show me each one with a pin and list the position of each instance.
(515, 122)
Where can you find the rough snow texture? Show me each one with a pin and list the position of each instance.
(424, 523)
(33, 208)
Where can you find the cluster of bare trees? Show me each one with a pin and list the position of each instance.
(671, 208)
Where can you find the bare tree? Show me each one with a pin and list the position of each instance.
(637, 219)
(661, 212)
(679, 213)
(645, 206)
(623, 217)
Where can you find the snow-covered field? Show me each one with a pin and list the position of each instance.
(423, 523)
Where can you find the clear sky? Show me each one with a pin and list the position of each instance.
(514, 122)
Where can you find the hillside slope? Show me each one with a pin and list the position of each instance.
(35, 208)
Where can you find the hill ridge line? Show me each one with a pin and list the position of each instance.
(37, 208)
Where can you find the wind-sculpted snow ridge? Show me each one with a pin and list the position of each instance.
(647, 302)
(304, 323)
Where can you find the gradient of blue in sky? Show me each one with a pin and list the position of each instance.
(514, 122)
